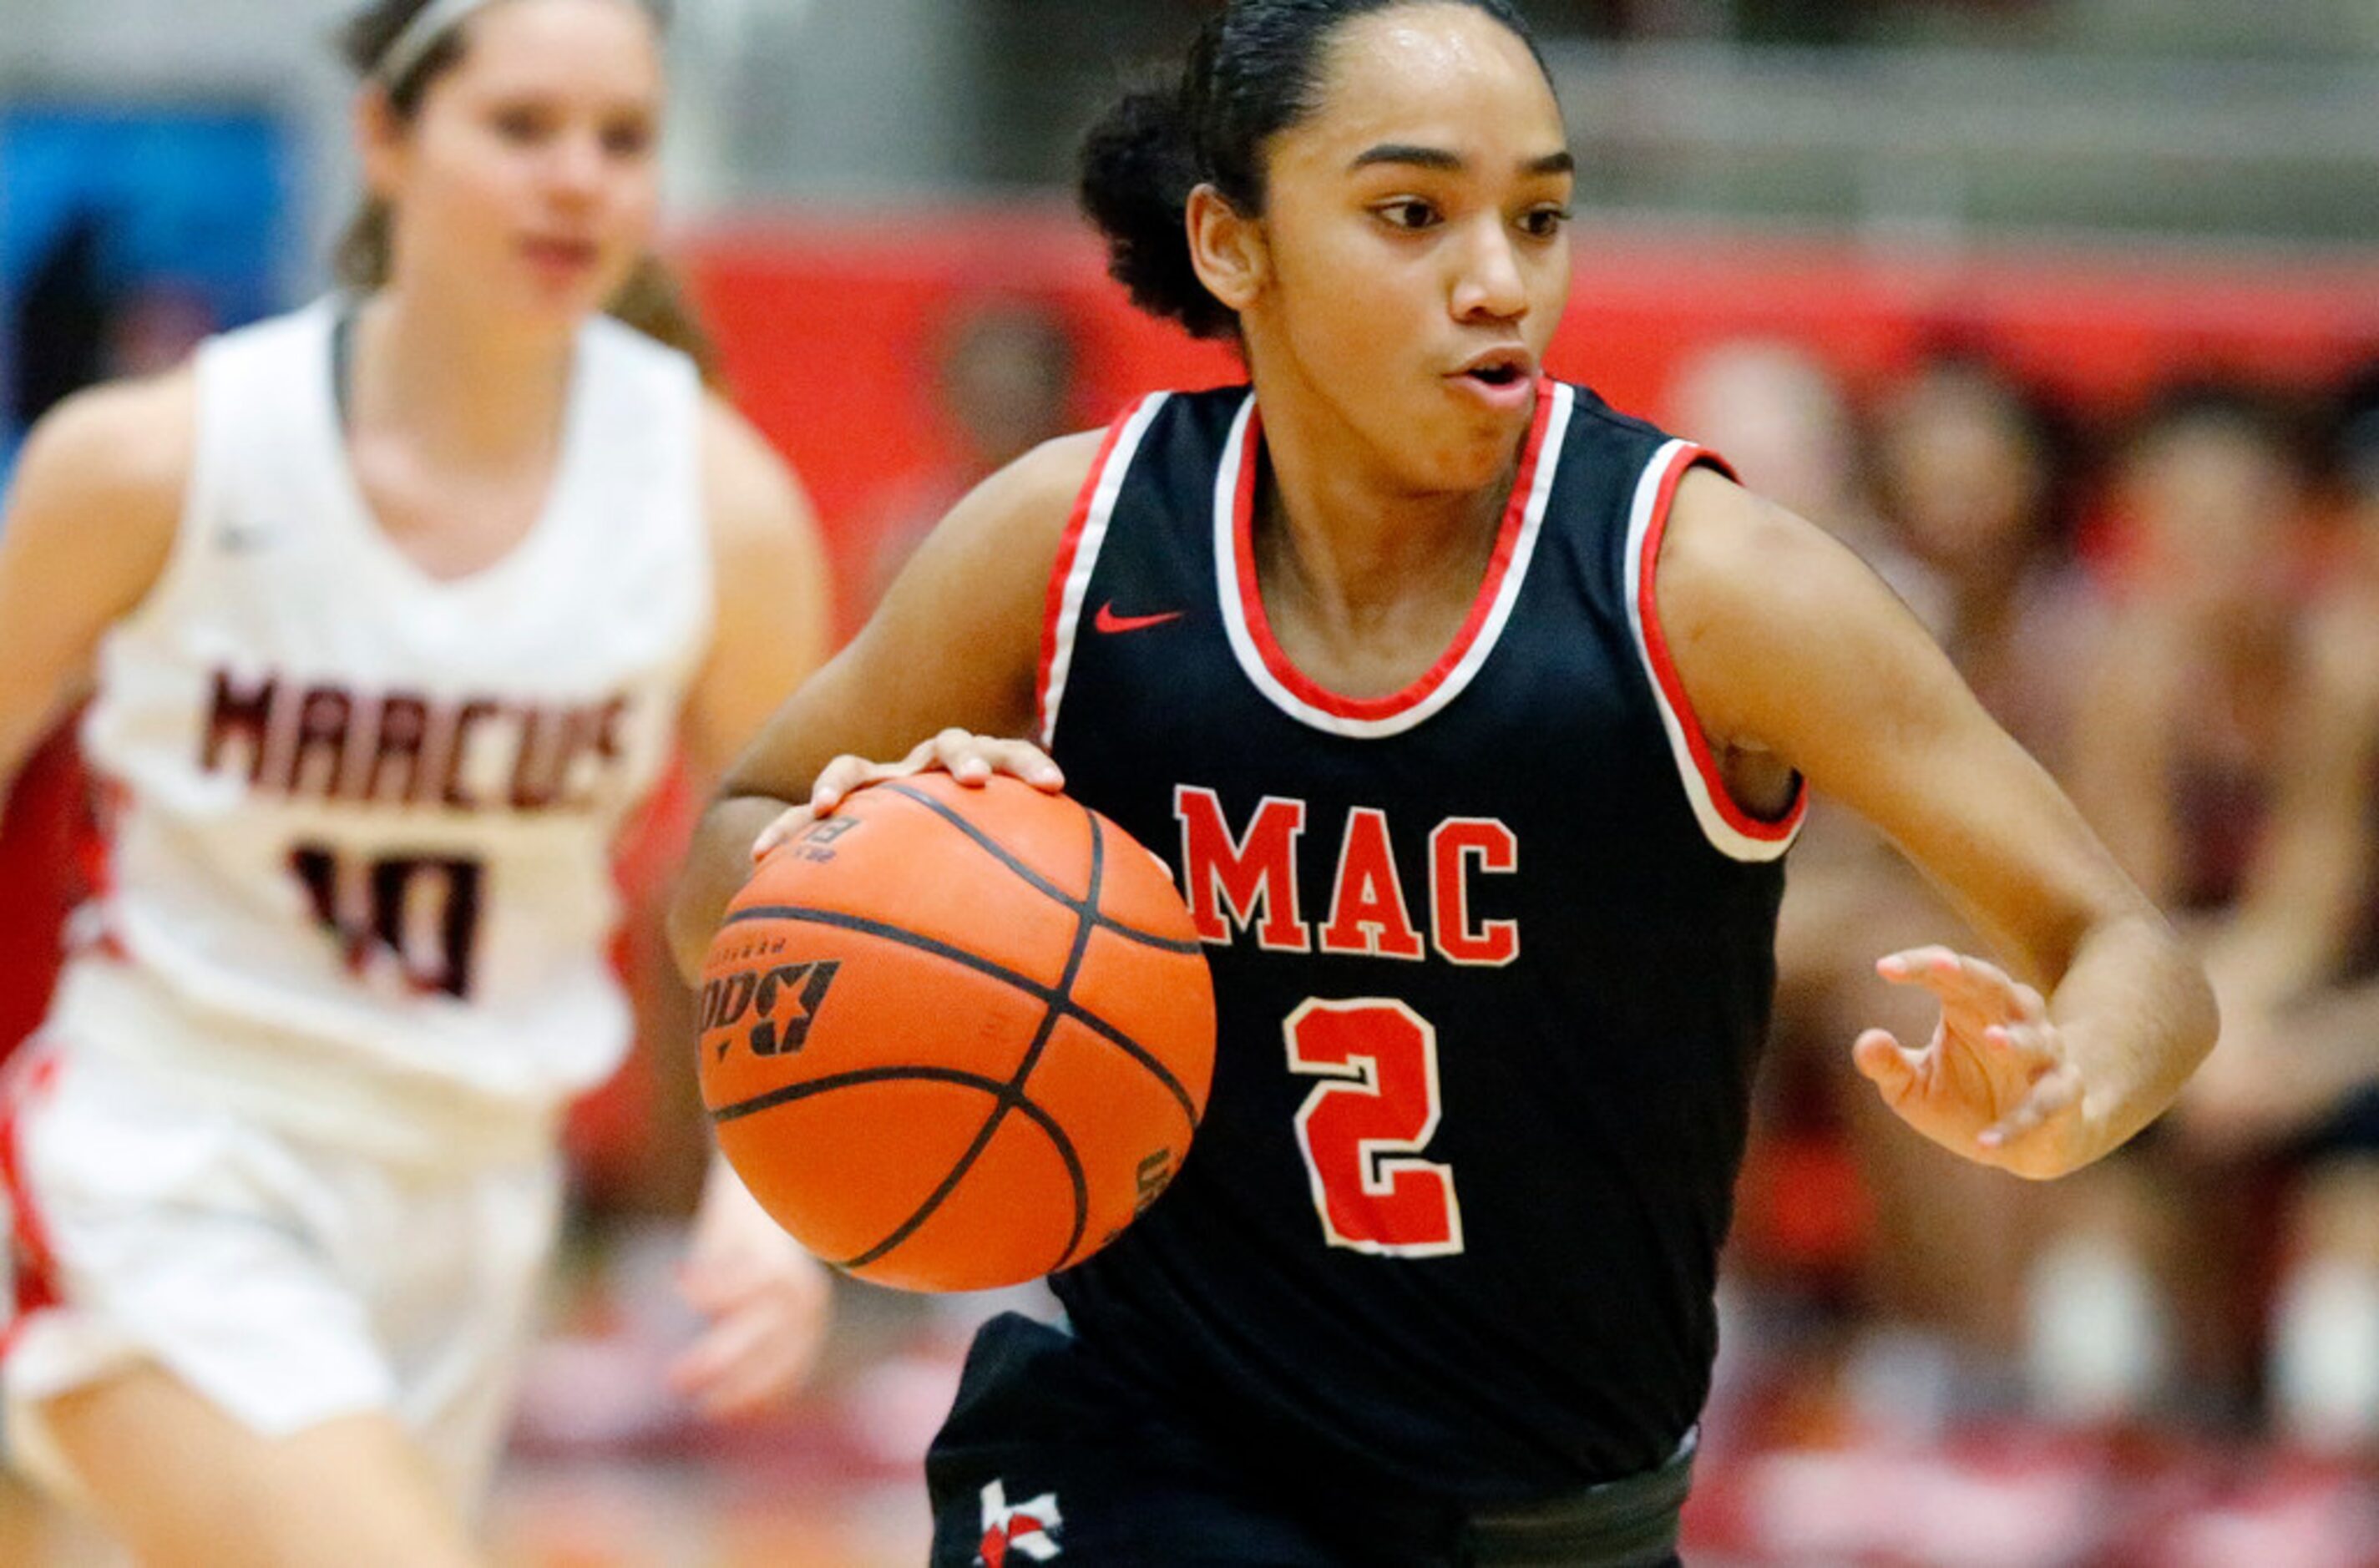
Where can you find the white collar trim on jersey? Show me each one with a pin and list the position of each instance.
(1272, 673)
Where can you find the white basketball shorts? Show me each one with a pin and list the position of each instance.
(287, 1282)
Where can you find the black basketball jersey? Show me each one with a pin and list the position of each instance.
(1493, 960)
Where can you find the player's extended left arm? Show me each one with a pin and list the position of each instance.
(1789, 645)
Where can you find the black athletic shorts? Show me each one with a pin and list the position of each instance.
(1045, 1458)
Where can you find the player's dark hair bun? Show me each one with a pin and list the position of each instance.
(1139, 165)
(1254, 71)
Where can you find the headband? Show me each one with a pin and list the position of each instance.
(427, 28)
(432, 24)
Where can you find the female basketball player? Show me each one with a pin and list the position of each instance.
(394, 606)
(1477, 717)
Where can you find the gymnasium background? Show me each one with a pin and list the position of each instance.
(2100, 200)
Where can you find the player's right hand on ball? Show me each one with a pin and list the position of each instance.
(969, 758)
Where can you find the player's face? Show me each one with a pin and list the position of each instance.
(1416, 227)
(527, 175)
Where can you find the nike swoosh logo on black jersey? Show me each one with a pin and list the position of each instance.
(1108, 620)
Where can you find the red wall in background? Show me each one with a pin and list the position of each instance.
(828, 325)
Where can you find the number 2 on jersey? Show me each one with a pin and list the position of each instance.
(421, 913)
(1362, 1129)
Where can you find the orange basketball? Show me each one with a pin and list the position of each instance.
(955, 1038)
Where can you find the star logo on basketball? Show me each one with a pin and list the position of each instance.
(786, 998)
(1026, 1529)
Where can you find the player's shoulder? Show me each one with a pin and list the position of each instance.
(1052, 475)
(760, 519)
(1727, 550)
(1020, 510)
(746, 479)
(120, 444)
(98, 494)
(996, 546)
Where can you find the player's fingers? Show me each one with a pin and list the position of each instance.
(962, 752)
(755, 1383)
(716, 1286)
(1962, 979)
(781, 831)
(748, 1360)
(1023, 759)
(2033, 1043)
(714, 1354)
(1943, 971)
(1996, 987)
(839, 778)
(750, 1388)
(2054, 1093)
(1910, 966)
(974, 759)
(1893, 1070)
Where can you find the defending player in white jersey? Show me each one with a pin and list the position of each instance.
(389, 612)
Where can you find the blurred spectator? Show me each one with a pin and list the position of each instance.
(1004, 383)
(1975, 475)
(2293, 1090)
(1967, 473)
(2179, 750)
(1774, 412)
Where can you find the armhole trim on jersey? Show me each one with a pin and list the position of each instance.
(1077, 557)
(1733, 831)
(1268, 665)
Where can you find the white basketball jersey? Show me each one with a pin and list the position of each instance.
(361, 820)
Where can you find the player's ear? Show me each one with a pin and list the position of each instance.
(1228, 247)
(380, 142)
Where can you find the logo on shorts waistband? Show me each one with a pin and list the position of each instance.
(1028, 1528)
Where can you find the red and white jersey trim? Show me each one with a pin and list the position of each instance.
(1077, 557)
(1733, 831)
(1269, 668)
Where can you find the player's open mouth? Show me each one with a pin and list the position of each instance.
(1499, 375)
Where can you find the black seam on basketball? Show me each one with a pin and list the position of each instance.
(1137, 1052)
(998, 1089)
(1040, 883)
(1085, 922)
(1057, 1141)
(984, 966)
